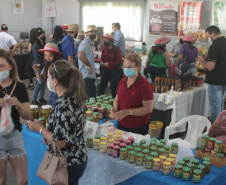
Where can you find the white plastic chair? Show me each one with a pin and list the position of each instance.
(196, 125)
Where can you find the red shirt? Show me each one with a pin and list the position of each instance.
(131, 98)
(112, 56)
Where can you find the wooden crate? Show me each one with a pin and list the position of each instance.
(216, 162)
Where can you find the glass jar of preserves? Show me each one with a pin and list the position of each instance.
(162, 160)
(220, 156)
(110, 149)
(153, 143)
(129, 148)
(45, 111)
(137, 150)
(142, 142)
(105, 110)
(174, 156)
(122, 145)
(186, 174)
(211, 143)
(218, 146)
(174, 148)
(95, 109)
(43, 121)
(123, 153)
(131, 139)
(103, 147)
(90, 109)
(103, 139)
(121, 140)
(156, 164)
(195, 162)
(101, 113)
(135, 145)
(97, 136)
(167, 150)
(207, 151)
(178, 171)
(204, 140)
(145, 153)
(213, 153)
(117, 136)
(132, 156)
(116, 143)
(148, 162)
(159, 145)
(144, 146)
(105, 98)
(96, 117)
(128, 142)
(98, 105)
(196, 176)
(116, 151)
(96, 144)
(89, 114)
(154, 139)
(186, 160)
(182, 163)
(207, 166)
(34, 112)
(202, 168)
(139, 159)
(154, 154)
(172, 163)
(106, 102)
(163, 141)
(111, 141)
(110, 135)
(166, 168)
(191, 166)
(118, 132)
(111, 101)
(92, 99)
(153, 149)
(161, 151)
(89, 142)
(108, 112)
(202, 149)
(206, 159)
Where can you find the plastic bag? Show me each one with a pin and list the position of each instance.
(6, 124)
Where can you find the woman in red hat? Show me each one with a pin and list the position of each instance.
(111, 58)
(51, 55)
(158, 58)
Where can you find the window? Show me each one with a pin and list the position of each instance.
(129, 15)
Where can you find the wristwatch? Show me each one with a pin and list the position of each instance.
(131, 112)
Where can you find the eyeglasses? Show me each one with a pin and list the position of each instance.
(130, 67)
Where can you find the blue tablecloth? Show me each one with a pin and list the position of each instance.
(36, 150)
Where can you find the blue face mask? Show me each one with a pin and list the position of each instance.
(129, 72)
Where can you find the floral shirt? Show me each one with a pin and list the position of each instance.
(66, 123)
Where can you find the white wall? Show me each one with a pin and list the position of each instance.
(20, 23)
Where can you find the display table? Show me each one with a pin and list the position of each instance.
(21, 62)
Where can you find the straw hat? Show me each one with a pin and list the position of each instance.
(51, 47)
(81, 32)
(91, 28)
(162, 40)
(108, 36)
(70, 27)
(189, 37)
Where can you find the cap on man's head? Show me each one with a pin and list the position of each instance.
(117, 25)
(70, 27)
(91, 28)
(4, 27)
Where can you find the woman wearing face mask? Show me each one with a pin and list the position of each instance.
(110, 58)
(134, 100)
(65, 123)
(38, 60)
(11, 145)
(51, 55)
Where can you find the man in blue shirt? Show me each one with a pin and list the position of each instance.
(86, 61)
(68, 47)
(119, 39)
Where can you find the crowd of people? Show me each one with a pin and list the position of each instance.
(65, 65)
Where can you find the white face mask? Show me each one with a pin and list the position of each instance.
(4, 75)
(48, 85)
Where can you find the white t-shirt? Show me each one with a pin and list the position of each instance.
(6, 41)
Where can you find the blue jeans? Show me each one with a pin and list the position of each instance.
(75, 172)
(155, 71)
(191, 69)
(52, 99)
(216, 99)
(39, 87)
(90, 87)
(111, 75)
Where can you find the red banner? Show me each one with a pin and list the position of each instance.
(189, 16)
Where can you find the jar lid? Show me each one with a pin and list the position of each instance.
(201, 167)
(220, 155)
(140, 155)
(145, 151)
(106, 102)
(162, 150)
(123, 149)
(101, 109)
(205, 136)
(121, 139)
(118, 132)
(88, 112)
(174, 144)
(92, 98)
(97, 136)
(99, 100)
(41, 119)
(110, 134)
(118, 135)
(89, 137)
(218, 142)
(206, 163)
(116, 147)
(131, 138)
(154, 154)
(145, 145)
(178, 166)
(33, 106)
(109, 108)
(96, 113)
(206, 159)
(190, 165)
(104, 106)
(105, 99)
(127, 141)
(166, 163)
(129, 147)
(162, 157)
(149, 158)
(170, 159)
(201, 147)
(46, 107)
(135, 144)
(137, 149)
(162, 140)
(172, 155)
(102, 96)
(180, 162)
(153, 139)
(116, 143)
(167, 147)
(87, 104)
(132, 152)
(98, 103)
(109, 97)
(111, 100)
(197, 171)
(95, 108)
(186, 159)
(213, 152)
(96, 140)
(153, 148)
(111, 140)
(110, 145)
(103, 138)
(94, 105)
(195, 161)
(186, 169)
(156, 159)
(103, 143)
(123, 144)
(98, 97)
(211, 138)
(160, 145)
(142, 141)
(153, 142)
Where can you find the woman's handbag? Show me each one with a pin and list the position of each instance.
(182, 66)
(53, 168)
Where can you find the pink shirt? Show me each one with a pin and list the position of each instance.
(221, 120)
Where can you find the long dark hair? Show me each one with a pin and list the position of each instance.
(190, 44)
(58, 33)
(158, 49)
(33, 34)
(39, 32)
(70, 78)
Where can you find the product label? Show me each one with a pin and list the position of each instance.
(131, 159)
(174, 151)
(186, 176)
(177, 173)
(139, 162)
(148, 165)
(203, 143)
(196, 178)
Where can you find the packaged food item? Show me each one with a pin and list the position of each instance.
(167, 150)
(103, 147)
(116, 143)
(204, 141)
(202, 149)
(178, 171)
(166, 168)
(131, 139)
(145, 153)
(163, 141)
(220, 156)
(137, 150)
(153, 143)
(103, 139)
(191, 166)
(129, 148)
(162, 160)
(186, 174)
(196, 176)
(148, 162)
(161, 151)
(195, 162)
(121, 140)
(206, 159)
(110, 149)
(123, 153)
(218, 146)
(211, 143)
(156, 164)
(101, 113)
(97, 136)
(132, 156)
(159, 145)
(145, 146)
(207, 166)
(116, 151)
(171, 161)
(186, 160)
(110, 135)
(43, 121)
(207, 151)
(96, 144)
(45, 111)
(139, 159)
(153, 149)
(111, 141)
(154, 139)
(202, 168)
(117, 136)
(96, 117)
(89, 142)
(128, 142)
(174, 148)
(154, 154)
(213, 153)
(182, 163)
(135, 145)
(142, 142)
(34, 112)
(122, 145)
